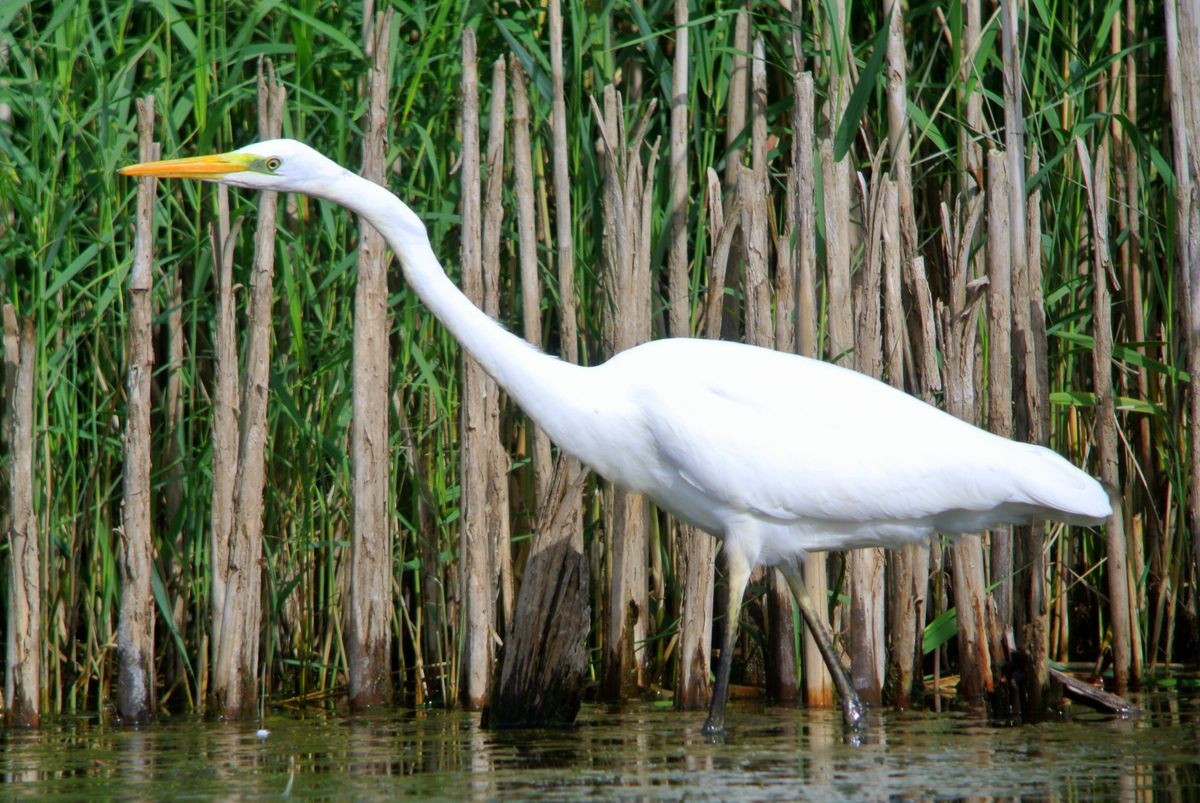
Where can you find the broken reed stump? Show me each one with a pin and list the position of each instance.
(542, 668)
(1027, 697)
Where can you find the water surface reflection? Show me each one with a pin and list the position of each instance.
(640, 752)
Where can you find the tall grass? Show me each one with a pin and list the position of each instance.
(72, 72)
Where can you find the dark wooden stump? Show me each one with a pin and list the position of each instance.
(543, 664)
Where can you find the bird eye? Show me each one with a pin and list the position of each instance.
(273, 163)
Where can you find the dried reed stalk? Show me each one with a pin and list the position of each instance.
(235, 666)
(696, 549)
(23, 659)
(531, 292)
(959, 327)
(499, 463)
(135, 628)
(1183, 75)
(224, 428)
(1108, 456)
(999, 383)
(475, 542)
(370, 608)
(818, 685)
(626, 280)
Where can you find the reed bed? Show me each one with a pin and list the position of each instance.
(1100, 176)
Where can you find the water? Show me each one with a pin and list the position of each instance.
(640, 752)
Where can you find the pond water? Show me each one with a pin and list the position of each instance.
(639, 752)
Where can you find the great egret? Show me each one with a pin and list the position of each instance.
(774, 454)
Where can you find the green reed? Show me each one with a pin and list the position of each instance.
(72, 72)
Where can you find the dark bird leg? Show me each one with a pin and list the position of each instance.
(739, 575)
(853, 709)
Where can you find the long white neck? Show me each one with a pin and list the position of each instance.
(552, 392)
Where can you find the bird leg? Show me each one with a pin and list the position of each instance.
(738, 577)
(853, 709)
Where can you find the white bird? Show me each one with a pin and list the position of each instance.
(774, 454)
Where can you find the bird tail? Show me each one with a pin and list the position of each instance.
(1066, 493)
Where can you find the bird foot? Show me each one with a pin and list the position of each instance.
(854, 713)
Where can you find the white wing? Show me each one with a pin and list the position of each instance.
(799, 440)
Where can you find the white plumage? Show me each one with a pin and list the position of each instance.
(777, 455)
(820, 456)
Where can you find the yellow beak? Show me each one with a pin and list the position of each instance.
(214, 166)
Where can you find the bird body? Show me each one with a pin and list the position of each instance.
(819, 457)
(777, 455)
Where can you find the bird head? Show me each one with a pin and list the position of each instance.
(283, 165)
